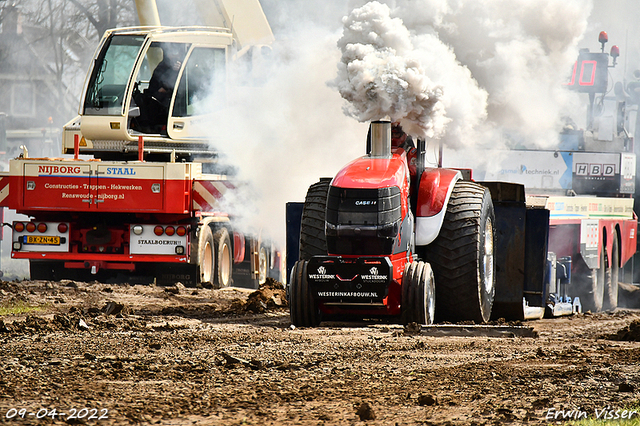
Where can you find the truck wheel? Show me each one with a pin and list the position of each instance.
(263, 265)
(418, 294)
(206, 260)
(462, 256)
(613, 276)
(313, 240)
(224, 259)
(303, 308)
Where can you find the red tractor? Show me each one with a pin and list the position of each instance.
(388, 236)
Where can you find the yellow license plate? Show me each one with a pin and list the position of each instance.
(42, 239)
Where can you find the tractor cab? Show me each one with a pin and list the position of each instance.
(163, 84)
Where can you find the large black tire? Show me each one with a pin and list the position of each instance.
(313, 240)
(462, 256)
(206, 259)
(303, 308)
(612, 276)
(223, 258)
(418, 294)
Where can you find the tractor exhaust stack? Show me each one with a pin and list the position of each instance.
(381, 138)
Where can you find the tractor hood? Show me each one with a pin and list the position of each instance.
(368, 207)
(370, 173)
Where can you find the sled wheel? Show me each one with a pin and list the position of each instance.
(303, 308)
(462, 256)
(313, 240)
(205, 255)
(612, 275)
(418, 294)
(224, 259)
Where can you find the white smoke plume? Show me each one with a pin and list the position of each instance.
(466, 72)
(519, 51)
(498, 65)
(474, 71)
(283, 128)
(379, 77)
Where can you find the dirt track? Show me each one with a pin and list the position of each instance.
(173, 355)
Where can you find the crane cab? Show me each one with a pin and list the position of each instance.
(160, 83)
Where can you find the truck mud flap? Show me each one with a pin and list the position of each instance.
(520, 251)
(168, 274)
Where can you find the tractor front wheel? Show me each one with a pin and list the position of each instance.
(418, 294)
(303, 307)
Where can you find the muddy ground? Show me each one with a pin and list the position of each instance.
(142, 354)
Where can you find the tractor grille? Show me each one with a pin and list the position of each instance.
(362, 221)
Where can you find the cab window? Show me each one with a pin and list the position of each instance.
(154, 86)
(201, 89)
(106, 90)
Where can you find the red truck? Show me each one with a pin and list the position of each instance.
(151, 218)
(149, 199)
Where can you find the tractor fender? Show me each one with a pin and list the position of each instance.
(434, 192)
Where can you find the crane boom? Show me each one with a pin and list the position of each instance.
(245, 18)
(148, 13)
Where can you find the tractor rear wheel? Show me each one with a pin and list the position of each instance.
(462, 256)
(418, 294)
(313, 240)
(303, 307)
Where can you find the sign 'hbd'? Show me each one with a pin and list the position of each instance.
(606, 170)
(604, 174)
